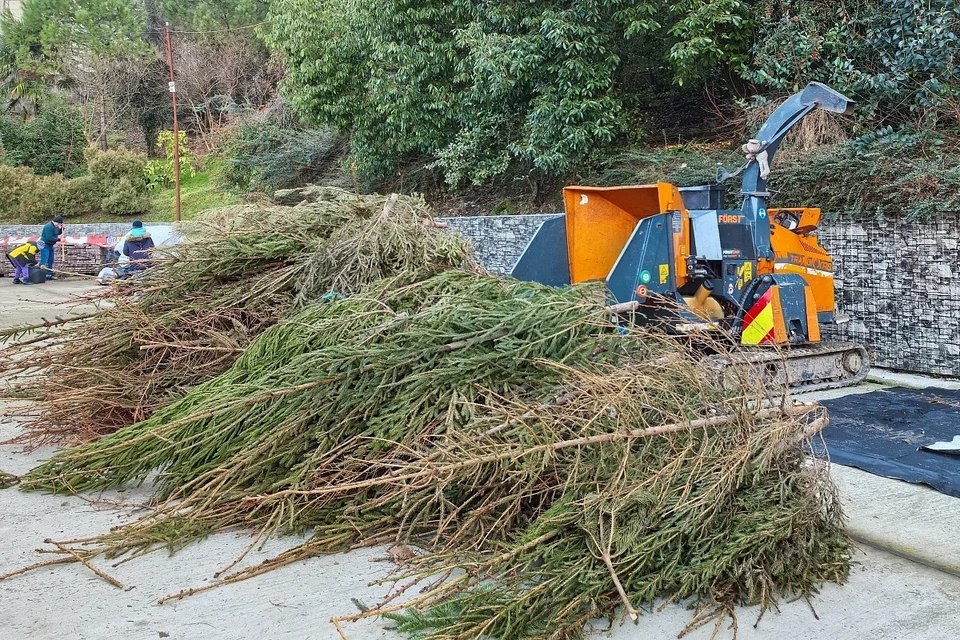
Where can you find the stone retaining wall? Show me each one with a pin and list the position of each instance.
(109, 229)
(896, 280)
(498, 240)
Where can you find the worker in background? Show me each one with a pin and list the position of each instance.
(22, 258)
(137, 246)
(49, 237)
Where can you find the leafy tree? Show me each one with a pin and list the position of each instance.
(105, 28)
(485, 88)
(136, 91)
(899, 58)
(59, 44)
(30, 66)
(212, 15)
(711, 35)
(476, 86)
(52, 142)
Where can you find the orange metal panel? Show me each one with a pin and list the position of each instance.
(600, 220)
(779, 326)
(809, 220)
(813, 324)
(804, 256)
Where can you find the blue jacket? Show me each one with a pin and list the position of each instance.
(137, 248)
(50, 234)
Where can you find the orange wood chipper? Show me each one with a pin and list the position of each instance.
(674, 257)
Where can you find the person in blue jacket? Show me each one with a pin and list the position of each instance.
(49, 237)
(137, 246)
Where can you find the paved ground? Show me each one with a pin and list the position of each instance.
(30, 304)
(902, 587)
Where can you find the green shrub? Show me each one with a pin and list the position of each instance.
(118, 182)
(27, 197)
(107, 167)
(115, 186)
(265, 155)
(52, 142)
(80, 196)
(897, 58)
(125, 199)
(160, 174)
(883, 179)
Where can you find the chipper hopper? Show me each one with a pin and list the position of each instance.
(674, 257)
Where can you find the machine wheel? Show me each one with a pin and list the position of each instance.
(853, 362)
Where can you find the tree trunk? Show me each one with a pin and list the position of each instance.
(103, 123)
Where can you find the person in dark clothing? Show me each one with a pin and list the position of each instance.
(137, 247)
(49, 237)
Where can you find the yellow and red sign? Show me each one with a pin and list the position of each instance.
(763, 323)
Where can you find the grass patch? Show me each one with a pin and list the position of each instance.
(197, 193)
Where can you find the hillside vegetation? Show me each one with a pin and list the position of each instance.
(483, 107)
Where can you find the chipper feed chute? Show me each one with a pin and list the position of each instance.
(587, 242)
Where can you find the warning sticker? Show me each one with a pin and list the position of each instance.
(664, 273)
(744, 275)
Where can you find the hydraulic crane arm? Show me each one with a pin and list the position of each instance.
(762, 150)
(787, 115)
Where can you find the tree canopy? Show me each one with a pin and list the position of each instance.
(486, 85)
(481, 91)
(545, 86)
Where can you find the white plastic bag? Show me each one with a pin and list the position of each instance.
(106, 276)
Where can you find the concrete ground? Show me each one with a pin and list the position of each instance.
(31, 304)
(905, 585)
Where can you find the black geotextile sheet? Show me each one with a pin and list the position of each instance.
(881, 432)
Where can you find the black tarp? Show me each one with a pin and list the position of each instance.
(881, 432)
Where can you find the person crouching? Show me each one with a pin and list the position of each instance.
(22, 258)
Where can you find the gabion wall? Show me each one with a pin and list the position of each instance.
(898, 282)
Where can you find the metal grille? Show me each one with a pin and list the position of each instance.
(898, 282)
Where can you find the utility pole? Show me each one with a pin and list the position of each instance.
(176, 127)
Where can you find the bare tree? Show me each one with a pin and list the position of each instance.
(214, 92)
